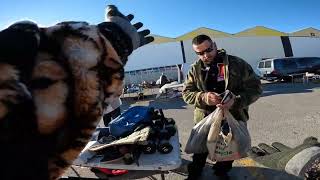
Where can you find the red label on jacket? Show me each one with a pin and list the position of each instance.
(220, 76)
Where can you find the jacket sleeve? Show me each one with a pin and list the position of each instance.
(190, 93)
(251, 88)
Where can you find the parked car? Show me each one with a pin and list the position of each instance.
(282, 68)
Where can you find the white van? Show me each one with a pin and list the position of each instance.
(281, 68)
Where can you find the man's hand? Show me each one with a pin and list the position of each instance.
(124, 22)
(227, 105)
(228, 101)
(123, 35)
(211, 98)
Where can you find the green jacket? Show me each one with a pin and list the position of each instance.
(239, 79)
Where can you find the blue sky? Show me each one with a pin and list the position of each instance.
(172, 18)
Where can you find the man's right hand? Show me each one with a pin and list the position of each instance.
(211, 98)
(123, 35)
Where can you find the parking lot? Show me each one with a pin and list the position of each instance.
(286, 112)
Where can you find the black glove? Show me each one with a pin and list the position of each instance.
(122, 34)
(19, 46)
(303, 160)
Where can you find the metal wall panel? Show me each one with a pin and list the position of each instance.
(305, 46)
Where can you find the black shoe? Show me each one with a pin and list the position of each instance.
(222, 176)
(192, 177)
(221, 169)
(194, 172)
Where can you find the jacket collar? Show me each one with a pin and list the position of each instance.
(199, 67)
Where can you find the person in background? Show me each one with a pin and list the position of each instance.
(214, 72)
(163, 80)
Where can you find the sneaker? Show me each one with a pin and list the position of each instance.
(110, 172)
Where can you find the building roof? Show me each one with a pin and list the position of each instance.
(260, 31)
(250, 32)
(313, 32)
(162, 39)
(203, 30)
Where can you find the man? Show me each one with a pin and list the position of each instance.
(209, 76)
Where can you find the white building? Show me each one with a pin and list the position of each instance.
(148, 62)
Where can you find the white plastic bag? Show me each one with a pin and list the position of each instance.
(234, 145)
(197, 142)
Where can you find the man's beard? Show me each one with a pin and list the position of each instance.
(208, 61)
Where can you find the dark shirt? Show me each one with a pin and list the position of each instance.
(212, 75)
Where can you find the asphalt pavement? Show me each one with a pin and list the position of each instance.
(285, 112)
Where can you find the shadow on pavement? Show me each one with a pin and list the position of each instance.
(236, 173)
(173, 103)
(287, 88)
(170, 103)
(241, 173)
